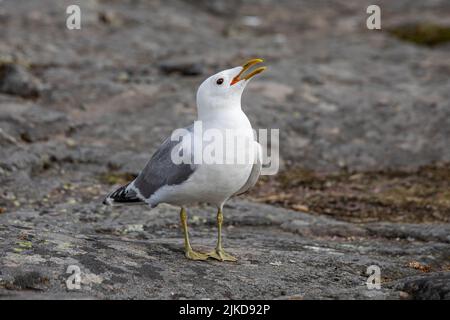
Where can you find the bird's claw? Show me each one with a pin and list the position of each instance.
(221, 255)
(193, 255)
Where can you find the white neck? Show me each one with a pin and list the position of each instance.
(218, 109)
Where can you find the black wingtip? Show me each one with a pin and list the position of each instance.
(121, 195)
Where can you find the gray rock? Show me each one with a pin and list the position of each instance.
(122, 255)
(16, 80)
(220, 8)
(434, 286)
(31, 123)
(185, 68)
(343, 97)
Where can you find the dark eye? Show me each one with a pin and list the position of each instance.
(219, 81)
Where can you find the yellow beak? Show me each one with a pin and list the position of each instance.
(247, 66)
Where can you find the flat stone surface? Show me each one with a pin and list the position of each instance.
(135, 253)
(364, 120)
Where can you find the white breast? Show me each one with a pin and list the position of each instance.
(216, 182)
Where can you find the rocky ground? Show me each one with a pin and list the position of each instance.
(364, 120)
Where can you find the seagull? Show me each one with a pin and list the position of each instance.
(185, 183)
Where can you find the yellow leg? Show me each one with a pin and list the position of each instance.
(219, 253)
(190, 254)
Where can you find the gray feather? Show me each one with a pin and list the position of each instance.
(254, 175)
(161, 171)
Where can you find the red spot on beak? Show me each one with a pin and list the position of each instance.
(235, 80)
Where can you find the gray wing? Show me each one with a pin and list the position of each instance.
(162, 171)
(254, 174)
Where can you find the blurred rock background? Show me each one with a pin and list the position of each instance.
(364, 119)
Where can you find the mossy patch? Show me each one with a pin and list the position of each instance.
(113, 178)
(31, 280)
(422, 195)
(25, 244)
(424, 34)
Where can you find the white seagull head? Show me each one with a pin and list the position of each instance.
(224, 89)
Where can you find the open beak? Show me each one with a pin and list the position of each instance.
(247, 66)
